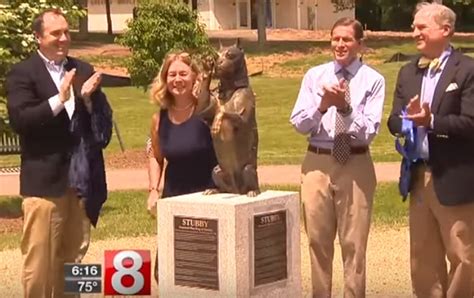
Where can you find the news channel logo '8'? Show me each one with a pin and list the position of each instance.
(127, 272)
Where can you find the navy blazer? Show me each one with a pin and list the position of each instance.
(53, 146)
(451, 141)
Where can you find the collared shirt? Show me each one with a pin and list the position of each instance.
(57, 72)
(367, 90)
(428, 86)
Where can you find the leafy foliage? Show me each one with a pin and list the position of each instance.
(343, 4)
(158, 28)
(349, 4)
(16, 36)
(398, 14)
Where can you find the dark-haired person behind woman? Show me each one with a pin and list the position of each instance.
(178, 134)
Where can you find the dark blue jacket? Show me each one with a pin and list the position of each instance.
(92, 133)
(409, 154)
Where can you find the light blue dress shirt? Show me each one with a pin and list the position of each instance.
(367, 89)
(428, 86)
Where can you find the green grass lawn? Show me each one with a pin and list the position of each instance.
(132, 113)
(111, 61)
(279, 142)
(9, 160)
(125, 215)
(97, 37)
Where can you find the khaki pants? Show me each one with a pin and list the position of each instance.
(437, 232)
(55, 231)
(337, 198)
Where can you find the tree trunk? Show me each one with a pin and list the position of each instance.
(261, 23)
(83, 26)
(109, 17)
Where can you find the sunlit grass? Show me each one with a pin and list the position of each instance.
(125, 215)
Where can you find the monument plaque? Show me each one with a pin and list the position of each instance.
(270, 242)
(228, 246)
(196, 252)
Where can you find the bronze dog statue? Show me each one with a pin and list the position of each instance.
(234, 127)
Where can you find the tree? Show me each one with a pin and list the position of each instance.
(349, 4)
(261, 23)
(16, 36)
(109, 17)
(83, 22)
(398, 14)
(158, 28)
(343, 4)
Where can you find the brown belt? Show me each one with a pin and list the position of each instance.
(319, 150)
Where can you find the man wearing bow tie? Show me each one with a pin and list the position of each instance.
(64, 121)
(435, 93)
(340, 107)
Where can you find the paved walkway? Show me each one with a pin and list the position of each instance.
(121, 179)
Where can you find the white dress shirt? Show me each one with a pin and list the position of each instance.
(57, 72)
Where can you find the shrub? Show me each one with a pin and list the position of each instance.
(16, 36)
(158, 28)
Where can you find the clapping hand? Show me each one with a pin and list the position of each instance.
(414, 105)
(419, 114)
(91, 85)
(334, 95)
(65, 88)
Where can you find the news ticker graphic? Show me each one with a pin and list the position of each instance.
(126, 272)
(82, 278)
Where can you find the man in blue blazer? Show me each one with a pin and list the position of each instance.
(64, 121)
(437, 92)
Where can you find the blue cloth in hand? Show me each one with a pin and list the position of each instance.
(92, 133)
(406, 146)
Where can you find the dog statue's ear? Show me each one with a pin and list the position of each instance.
(220, 45)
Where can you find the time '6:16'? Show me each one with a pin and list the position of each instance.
(85, 270)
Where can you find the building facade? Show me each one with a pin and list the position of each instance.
(231, 14)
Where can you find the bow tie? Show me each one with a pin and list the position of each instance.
(433, 64)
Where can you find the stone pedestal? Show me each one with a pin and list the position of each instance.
(227, 245)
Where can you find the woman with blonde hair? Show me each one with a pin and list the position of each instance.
(178, 134)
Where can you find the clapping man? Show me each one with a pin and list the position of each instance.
(64, 121)
(436, 93)
(340, 107)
